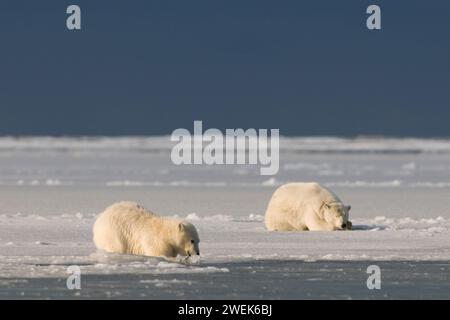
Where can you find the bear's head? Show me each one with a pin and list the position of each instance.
(336, 214)
(187, 239)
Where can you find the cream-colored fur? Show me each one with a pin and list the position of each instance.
(306, 206)
(126, 227)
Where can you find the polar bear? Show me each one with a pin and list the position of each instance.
(127, 227)
(306, 206)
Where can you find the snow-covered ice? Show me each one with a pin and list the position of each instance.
(51, 190)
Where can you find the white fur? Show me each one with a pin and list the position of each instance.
(306, 206)
(126, 227)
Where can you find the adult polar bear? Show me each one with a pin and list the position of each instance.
(306, 206)
(126, 227)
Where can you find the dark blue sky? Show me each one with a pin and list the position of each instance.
(148, 67)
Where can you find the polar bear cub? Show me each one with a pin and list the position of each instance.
(306, 206)
(126, 227)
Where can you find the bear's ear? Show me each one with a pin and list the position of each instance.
(349, 207)
(320, 212)
(181, 226)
